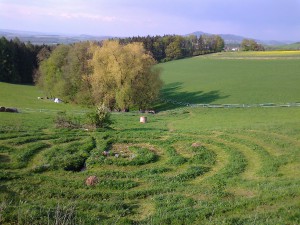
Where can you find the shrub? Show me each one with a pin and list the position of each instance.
(99, 118)
(63, 120)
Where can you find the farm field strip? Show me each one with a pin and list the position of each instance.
(260, 55)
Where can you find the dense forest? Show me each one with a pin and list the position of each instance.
(171, 47)
(18, 61)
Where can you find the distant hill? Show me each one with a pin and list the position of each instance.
(50, 39)
(231, 39)
(47, 38)
(293, 46)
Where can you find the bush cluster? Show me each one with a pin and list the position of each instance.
(63, 120)
(100, 118)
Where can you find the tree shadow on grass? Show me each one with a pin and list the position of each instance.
(172, 97)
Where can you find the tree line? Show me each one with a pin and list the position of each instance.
(18, 61)
(116, 75)
(172, 47)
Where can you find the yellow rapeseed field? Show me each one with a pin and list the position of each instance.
(275, 53)
(294, 54)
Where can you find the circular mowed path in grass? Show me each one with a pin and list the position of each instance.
(209, 176)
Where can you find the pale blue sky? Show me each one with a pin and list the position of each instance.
(261, 19)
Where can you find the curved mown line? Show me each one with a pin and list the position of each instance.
(279, 136)
(38, 162)
(221, 161)
(236, 162)
(13, 135)
(254, 210)
(98, 161)
(259, 140)
(289, 149)
(37, 159)
(254, 162)
(271, 163)
(31, 138)
(272, 150)
(183, 150)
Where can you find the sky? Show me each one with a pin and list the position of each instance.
(260, 19)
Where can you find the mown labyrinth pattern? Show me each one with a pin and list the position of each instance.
(149, 177)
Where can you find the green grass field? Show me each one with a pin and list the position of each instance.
(25, 97)
(234, 78)
(185, 166)
(294, 46)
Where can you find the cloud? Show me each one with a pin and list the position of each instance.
(263, 19)
(71, 16)
(63, 12)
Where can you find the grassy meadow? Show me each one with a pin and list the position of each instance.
(234, 78)
(25, 97)
(185, 166)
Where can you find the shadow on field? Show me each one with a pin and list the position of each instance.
(4, 158)
(174, 98)
(6, 190)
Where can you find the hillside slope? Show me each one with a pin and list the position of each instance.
(233, 78)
